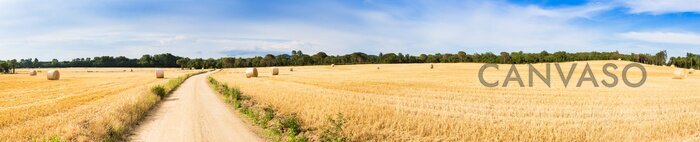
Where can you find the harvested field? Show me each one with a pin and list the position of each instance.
(411, 102)
(82, 106)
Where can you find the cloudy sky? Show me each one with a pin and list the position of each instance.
(48, 29)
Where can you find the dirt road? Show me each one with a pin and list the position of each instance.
(193, 113)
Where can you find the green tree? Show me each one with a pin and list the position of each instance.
(505, 58)
(182, 62)
(146, 60)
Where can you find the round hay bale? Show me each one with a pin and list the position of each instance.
(691, 71)
(275, 71)
(291, 69)
(251, 72)
(132, 70)
(619, 59)
(32, 73)
(160, 73)
(53, 75)
(332, 65)
(377, 67)
(431, 66)
(680, 74)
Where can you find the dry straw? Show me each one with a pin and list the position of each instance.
(275, 71)
(680, 74)
(32, 73)
(53, 75)
(251, 72)
(160, 73)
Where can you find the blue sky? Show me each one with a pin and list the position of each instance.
(64, 30)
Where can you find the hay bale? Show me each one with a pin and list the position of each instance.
(160, 73)
(132, 70)
(431, 66)
(691, 71)
(332, 65)
(377, 67)
(32, 73)
(291, 69)
(680, 74)
(53, 75)
(251, 72)
(275, 71)
(619, 59)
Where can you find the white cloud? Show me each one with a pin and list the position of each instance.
(663, 37)
(472, 26)
(662, 6)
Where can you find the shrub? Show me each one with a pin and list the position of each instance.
(56, 138)
(269, 114)
(290, 125)
(158, 90)
(236, 104)
(334, 130)
(298, 138)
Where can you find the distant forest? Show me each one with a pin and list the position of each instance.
(297, 58)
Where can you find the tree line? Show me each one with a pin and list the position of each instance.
(298, 58)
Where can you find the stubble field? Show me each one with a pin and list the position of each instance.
(84, 105)
(411, 102)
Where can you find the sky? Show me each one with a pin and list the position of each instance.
(53, 29)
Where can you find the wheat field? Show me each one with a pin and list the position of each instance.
(84, 105)
(411, 102)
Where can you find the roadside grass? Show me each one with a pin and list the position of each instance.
(277, 127)
(124, 124)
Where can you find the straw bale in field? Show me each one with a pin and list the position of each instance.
(680, 74)
(160, 73)
(53, 75)
(275, 71)
(251, 72)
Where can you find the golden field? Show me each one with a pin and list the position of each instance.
(411, 102)
(84, 105)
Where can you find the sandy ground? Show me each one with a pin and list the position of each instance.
(193, 113)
